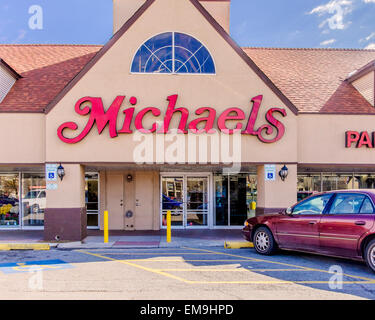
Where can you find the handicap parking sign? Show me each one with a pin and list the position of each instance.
(29, 266)
(270, 172)
(51, 172)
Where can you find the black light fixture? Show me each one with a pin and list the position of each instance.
(283, 173)
(61, 172)
(129, 178)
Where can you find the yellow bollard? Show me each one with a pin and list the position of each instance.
(169, 226)
(105, 222)
(253, 205)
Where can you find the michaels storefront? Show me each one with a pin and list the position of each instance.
(172, 115)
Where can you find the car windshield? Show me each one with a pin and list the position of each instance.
(31, 194)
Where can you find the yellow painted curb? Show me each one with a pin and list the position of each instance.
(24, 246)
(238, 245)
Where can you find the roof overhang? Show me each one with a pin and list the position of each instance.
(361, 72)
(13, 72)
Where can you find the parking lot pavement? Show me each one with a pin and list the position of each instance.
(180, 273)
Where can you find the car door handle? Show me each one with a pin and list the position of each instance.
(360, 223)
(313, 222)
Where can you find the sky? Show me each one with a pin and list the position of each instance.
(254, 23)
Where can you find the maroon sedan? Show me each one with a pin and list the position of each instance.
(336, 223)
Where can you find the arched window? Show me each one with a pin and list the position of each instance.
(173, 52)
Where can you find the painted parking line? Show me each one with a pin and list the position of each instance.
(229, 270)
(28, 266)
(369, 280)
(135, 265)
(167, 272)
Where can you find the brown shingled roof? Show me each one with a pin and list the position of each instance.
(45, 71)
(312, 79)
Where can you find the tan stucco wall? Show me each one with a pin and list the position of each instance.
(278, 193)
(220, 11)
(23, 137)
(71, 190)
(233, 86)
(124, 9)
(321, 139)
(366, 86)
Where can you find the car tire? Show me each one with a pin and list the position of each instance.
(370, 255)
(263, 240)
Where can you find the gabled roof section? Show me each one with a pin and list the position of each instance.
(313, 78)
(214, 24)
(13, 72)
(101, 53)
(45, 70)
(361, 72)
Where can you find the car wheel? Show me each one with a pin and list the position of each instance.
(264, 242)
(370, 255)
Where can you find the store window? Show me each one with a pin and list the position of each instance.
(92, 199)
(308, 185)
(33, 199)
(235, 198)
(364, 181)
(9, 200)
(173, 52)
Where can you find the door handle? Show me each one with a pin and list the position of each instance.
(313, 222)
(360, 223)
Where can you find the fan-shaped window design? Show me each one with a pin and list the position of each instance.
(173, 52)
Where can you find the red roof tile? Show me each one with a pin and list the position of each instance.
(45, 71)
(312, 79)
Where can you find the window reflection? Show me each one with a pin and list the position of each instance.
(33, 198)
(9, 200)
(92, 199)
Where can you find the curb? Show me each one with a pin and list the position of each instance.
(238, 245)
(24, 246)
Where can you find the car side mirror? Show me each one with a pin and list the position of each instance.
(289, 211)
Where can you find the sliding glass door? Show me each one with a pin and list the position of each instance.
(235, 199)
(187, 197)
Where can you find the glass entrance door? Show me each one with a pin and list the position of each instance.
(235, 199)
(187, 198)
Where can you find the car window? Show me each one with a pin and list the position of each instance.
(367, 206)
(313, 205)
(347, 203)
(42, 194)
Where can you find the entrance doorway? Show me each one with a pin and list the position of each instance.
(188, 198)
(235, 199)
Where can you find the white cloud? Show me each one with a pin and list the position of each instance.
(328, 42)
(368, 38)
(371, 46)
(338, 9)
(369, 1)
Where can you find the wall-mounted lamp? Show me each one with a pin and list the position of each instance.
(283, 173)
(61, 172)
(129, 178)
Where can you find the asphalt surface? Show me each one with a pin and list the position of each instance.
(180, 273)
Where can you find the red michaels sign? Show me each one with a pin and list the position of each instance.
(103, 118)
(360, 139)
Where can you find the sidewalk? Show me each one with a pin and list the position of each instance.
(130, 239)
(156, 239)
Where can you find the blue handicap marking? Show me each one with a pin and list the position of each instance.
(28, 266)
(270, 175)
(51, 175)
